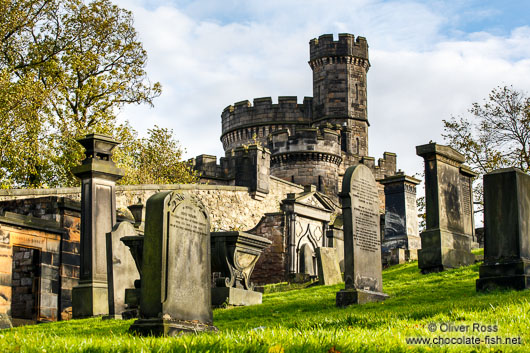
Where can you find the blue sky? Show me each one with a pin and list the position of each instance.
(429, 60)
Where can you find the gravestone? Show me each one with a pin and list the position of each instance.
(5, 321)
(121, 268)
(401, 238)
(446, 241)
(307, 260)
(234, 255)
(506, 231)
(98, 175)
(328, 266)
(362, 242)
(176, 273)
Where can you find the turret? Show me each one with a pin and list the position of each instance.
(339, 87)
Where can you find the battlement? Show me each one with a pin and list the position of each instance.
(264, 112)
(346, 46)
(319, 143)
(244, 123)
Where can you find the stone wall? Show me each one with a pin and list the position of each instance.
(230, 207)
(271, 266)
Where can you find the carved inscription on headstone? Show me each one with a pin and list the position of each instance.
(366, 249)
(362, 243)
(188, 252)
(176, 271)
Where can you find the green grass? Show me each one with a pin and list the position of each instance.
(307, 320)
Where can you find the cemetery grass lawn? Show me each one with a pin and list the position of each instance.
(307, 320)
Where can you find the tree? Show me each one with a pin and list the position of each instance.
(84, 63)
(156, 159)
(495, 135)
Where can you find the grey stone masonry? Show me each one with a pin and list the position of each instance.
(401, 219)
(98, 175)
(362, 245)
(446, 242)
(507, 231)
(121, 268)
(176, 273)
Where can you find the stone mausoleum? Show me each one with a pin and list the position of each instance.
(279, 179)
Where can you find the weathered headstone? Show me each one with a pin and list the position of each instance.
(328, 266)
(362, 243)
(121, 269)
(5, 321)
(307, 260)
(234, 255)
(98, 175)
(446, 242)
(176, 273)
(506, 231)
(401, 239)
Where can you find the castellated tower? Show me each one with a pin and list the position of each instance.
(339, 88)
(312, 142)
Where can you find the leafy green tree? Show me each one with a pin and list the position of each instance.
(496, 133)
(156, 159)
(83, 62)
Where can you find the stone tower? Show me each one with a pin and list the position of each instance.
(339, 88)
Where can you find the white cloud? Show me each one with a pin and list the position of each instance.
(209, 55)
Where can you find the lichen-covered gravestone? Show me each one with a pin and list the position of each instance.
(176, 274)
(506, 231)
(328, 266)
(362, 243)
(121, 269)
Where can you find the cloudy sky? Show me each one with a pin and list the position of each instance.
(429, 60)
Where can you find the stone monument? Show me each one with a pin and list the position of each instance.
(98, 175)
(176, 273)
(401, 238)
(362, 243)
(446, 242)
(121, 268)
(328, 266)
(234, 255)
(506, 231)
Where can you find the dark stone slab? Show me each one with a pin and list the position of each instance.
(446, 242)
(235, 296)
(362, 242)
(348, 297)
(176, 272)
(121, 267)
(506, 231)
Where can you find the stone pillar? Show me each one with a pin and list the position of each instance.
(252, 169)
(446, 242)
(98, 175)
(401, 239)
(506, 231)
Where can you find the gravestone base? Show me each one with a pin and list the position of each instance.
(112, 317)
(399, 256)
(514, 275)
(5, 322)
(90, 299)
(163, 327)
(347, 297)
(442, 249)
(235, 296)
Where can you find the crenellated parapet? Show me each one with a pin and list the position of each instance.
(317, 144)
(245, 123)
(347, 48)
